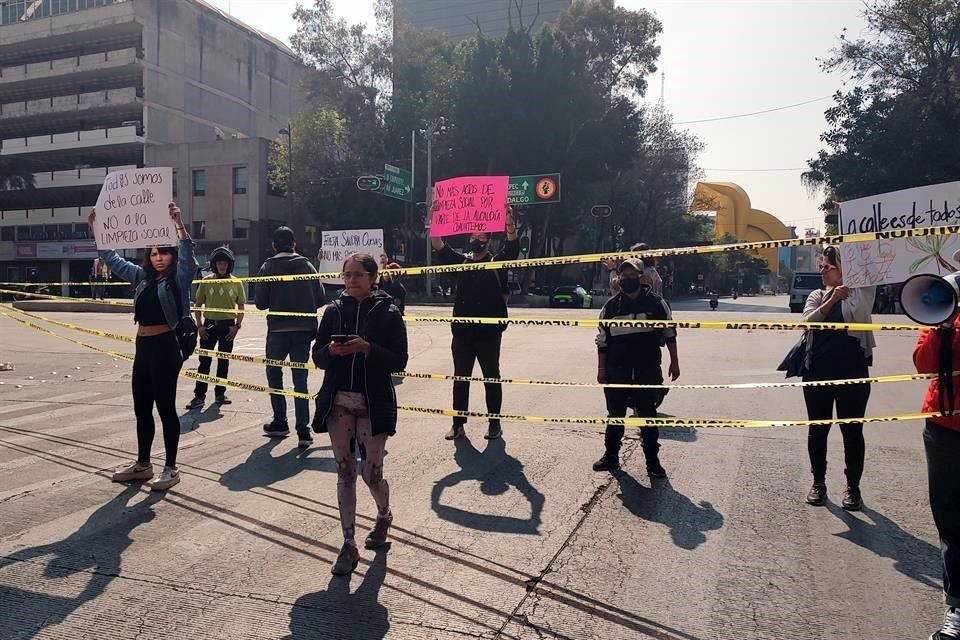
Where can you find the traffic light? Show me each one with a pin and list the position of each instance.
(524, 246)
(369, 183)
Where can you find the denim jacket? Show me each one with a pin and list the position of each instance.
(134, 274)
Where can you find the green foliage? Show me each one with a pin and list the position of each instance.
(892, 133)
(563, 99)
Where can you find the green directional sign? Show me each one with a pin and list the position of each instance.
(397, 183)
(542, 188)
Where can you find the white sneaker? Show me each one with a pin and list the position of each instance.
(167, 478)
(135, 471)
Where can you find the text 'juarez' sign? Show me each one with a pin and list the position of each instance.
(397, 183)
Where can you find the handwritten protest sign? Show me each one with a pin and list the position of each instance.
(337, 246)
(892, 261)
(133, 209)
(473, 204)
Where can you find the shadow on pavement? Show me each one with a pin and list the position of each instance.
(496, 471)
(688, 522)
(262, 468)
(192, 419)
(913, 557)
(94, 549)
(338, 613)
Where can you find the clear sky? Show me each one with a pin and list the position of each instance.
(720, 59)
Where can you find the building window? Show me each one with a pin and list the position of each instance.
(199, 182)
(199, 230)
(241, 229)
(239, 181)
(174, 185)
(8, 234)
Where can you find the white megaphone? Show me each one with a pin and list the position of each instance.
(930, 300)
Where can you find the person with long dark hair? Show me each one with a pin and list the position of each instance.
(837, 355)
(161, 299)
(938, 351)
(361, 341)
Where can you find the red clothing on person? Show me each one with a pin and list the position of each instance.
(926, 357)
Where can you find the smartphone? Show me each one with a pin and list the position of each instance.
(340, 338)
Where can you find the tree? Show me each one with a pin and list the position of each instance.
(891, 134)
(563, 99)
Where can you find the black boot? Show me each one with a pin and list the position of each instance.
(609, 462)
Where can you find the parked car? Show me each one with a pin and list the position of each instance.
(571, 297)
(803, 284)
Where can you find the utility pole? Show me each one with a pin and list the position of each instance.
(293, 218)
(433, 129)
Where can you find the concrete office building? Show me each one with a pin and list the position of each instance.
(88, 86)
(459, 18)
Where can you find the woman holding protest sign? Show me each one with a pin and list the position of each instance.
(361, 341)
(837, 355)
(161, 302)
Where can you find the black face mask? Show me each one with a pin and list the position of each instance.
(630, 285)
(478, 246)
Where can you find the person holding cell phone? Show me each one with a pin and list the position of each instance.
(361, 341)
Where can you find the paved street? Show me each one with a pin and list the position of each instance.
(510, 539)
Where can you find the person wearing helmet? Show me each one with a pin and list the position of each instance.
(221, 298)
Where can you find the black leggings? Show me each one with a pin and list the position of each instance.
(156, 367)
(851, 401)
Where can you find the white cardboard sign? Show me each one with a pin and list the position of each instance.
(882, 262)
(337, 246)
(133, 209)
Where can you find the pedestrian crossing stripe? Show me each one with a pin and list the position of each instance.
(907, 377)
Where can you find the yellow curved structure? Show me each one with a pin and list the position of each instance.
(735, 216)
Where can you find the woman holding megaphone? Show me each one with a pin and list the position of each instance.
(938, 351)
(837, 355)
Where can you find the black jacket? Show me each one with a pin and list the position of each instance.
(303, 296)
(378, 322)
(396, 290)
(480, 294)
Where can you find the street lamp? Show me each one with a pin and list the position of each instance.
(429, 132)
(288, 131)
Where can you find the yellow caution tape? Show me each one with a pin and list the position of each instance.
(907, 377)
(597, 257)
(561, 322)
(64, 284)
(668, 422)
(183, 373)
(627, 422)
(48, 296)
(655, 253)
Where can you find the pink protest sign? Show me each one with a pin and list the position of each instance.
(471, 204)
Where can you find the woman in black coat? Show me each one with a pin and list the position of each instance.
(362, 340)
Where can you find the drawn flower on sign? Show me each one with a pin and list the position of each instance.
(931, 249)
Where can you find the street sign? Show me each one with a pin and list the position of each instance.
(369, 183)
(601, 211)
(535, 189)
(397, 183)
